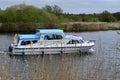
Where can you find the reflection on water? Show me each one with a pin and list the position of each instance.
(104, 63)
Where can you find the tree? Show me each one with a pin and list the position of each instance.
(108, 17)
(57, 10)
(27, 13)
(53, 9)
(48, 8)
(0, 15)
(9, 15)
(117, 15)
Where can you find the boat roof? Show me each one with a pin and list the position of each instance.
(29, 37)
(69, 37)
(49, 31)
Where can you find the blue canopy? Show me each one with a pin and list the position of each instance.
(49, 31)
(29, 37)
(72, 37)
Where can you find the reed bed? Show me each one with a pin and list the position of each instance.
(77, 66)
(68, 27)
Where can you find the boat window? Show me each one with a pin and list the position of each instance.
(28, 42)
(25, 42)
(46, 37)
(80, 41)
(53, 37)
(34, 41)
(73, 42)
(59, 37)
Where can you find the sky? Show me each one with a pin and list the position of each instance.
(70, 6)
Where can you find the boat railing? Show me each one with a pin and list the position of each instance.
(15, 38)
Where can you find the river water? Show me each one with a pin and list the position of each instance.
(103, 63)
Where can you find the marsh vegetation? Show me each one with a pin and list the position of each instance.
(27, 18)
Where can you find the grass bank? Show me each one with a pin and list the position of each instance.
(68, 27)
(90, 26)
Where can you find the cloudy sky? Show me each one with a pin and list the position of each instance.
(70, 6)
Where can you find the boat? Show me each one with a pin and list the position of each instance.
(49, 41)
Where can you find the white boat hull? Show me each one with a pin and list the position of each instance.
(49, 50)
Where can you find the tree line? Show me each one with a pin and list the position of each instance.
(26, 13)
(51, 14)
(27, 18)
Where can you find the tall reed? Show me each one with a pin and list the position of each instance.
(62, 67)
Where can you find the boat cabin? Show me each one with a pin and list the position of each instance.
(50, 34)
(41, 35)
(72, 39)
(47, 37)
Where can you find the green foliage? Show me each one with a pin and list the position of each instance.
(25, 13)
(112, 28)
(53, 9)
(69, 18)
(62, 18)
(117, 15)
(49, 14)
(73, 17)
(1, 15)
(108, 17)
(91, 19)
(60, 26)
(23, 18)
